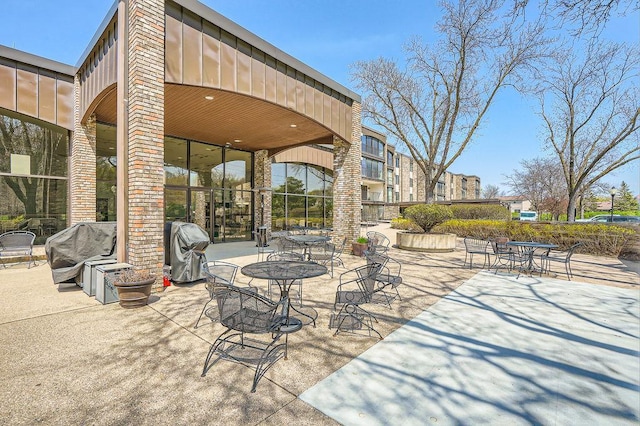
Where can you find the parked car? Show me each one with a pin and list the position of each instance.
(607, 218)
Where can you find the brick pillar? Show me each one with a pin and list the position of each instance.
(145, 162)
(262, 179)
(346, 182)
(82, 185)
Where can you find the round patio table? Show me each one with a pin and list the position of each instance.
(527, 249)
(307, 241)
(284, 273)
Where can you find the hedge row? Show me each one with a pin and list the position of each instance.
(599, 239)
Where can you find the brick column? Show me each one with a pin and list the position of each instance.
(262, 179)
(82, 185)
(145, 162)
(346, 182)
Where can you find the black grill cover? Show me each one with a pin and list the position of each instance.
(188, 242)
(70, 248)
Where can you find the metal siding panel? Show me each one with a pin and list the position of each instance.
(173, 50)
(210, 60)
(281, 87)
(257, 78)
(47, 98)
(227, 67)
(192, 50)
(28, 92)
(291, 93)
(308, 101)
(270, 88)
(349, 124)
(318, 108)
(64, 104)
(300, 103)
(244, 73)
(8, 86)
(335, 115)
(326, 110)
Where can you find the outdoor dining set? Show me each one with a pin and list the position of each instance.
(258, 325)
(526, 257)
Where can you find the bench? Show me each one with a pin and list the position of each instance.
(17, 243)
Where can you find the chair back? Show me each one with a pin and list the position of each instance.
(285, 255)
(220, 271)
(476, 245)
(377, 241)
(499, 245)
(17, 240)
(245, 311)
(367, 280)
(573, 248)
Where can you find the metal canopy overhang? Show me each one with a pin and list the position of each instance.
(242, 121)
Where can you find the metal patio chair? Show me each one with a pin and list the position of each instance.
(356, 288)
(476, 246)
(216, 271)
(328, 254)
(254, 324)
(389, 278)
(15, 243)
(377, 242)
(559, 256)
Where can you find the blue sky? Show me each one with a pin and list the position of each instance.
(327, 35)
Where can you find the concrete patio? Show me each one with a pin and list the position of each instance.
(490, 349)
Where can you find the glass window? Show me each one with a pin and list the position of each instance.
(371, 168)
(278, 177)
(296, 178)
(33, 187)
(237, 169)
(315, 180)
(372, 146)
(390, 158)
(105, 173)
(30, 147)
(205, 163)
(175, 161)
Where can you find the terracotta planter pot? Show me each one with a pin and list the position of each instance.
(134, 294)
(358, 249)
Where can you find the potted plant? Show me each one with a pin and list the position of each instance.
(427, 216)
(360, 246)
(134, 287)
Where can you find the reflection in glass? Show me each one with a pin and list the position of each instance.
(315, 180)
(205, 162)
(175, 205)
(278, 177)
(175, 161)
(105, 173)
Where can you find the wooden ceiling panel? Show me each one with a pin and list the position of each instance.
(228, 118)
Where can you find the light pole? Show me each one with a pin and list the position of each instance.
(612, 191)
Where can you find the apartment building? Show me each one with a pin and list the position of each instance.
(391, 180)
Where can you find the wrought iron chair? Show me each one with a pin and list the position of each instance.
(476, 246)
(355, 289)
(389, 277)
(378, 243)
(245, 313)
(283, 255)
(559, 257)
(216, 271)
(14, 243)
(262, 243)
(505, 257)
(328, 254)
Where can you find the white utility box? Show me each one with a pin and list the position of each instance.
(89, 274)
(106, 292)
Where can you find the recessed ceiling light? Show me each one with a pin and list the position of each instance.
(111, 148)
(293, 125)
(237, 140)
(209, 97)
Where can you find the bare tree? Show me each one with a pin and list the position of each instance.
(540, 181)
(590, 106)
(436, 102)
(491, 191)
(586, 16)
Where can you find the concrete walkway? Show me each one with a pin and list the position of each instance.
(67, 359)
(499, 351)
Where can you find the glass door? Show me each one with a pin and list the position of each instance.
(200, 210)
